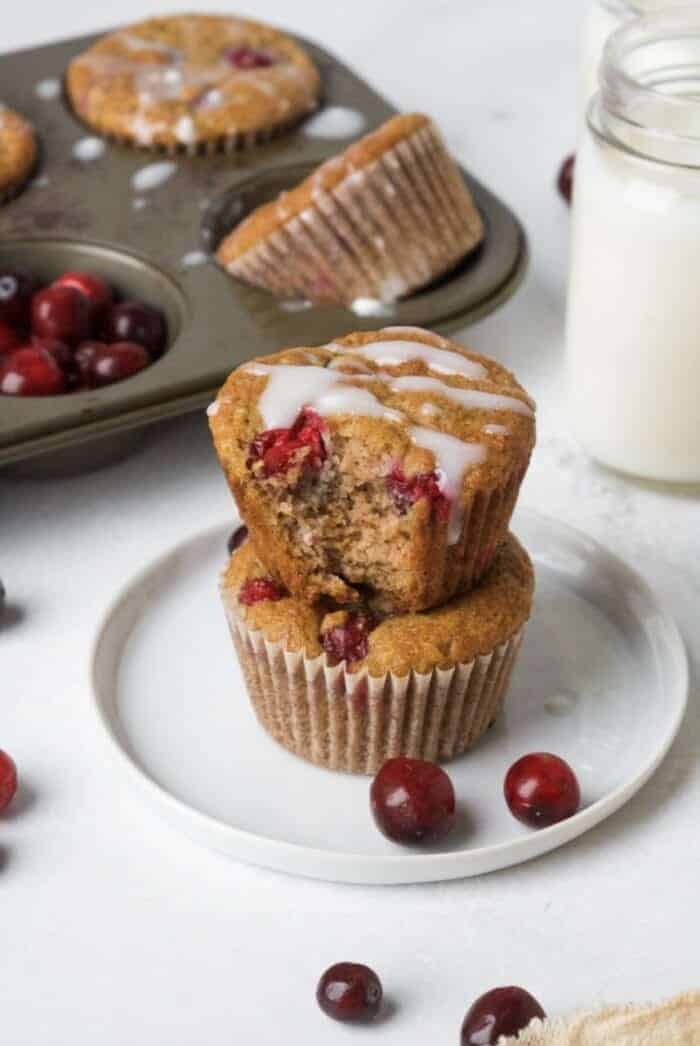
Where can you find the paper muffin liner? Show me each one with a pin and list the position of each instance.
(383, 231)
(355, 722)
(226, 144)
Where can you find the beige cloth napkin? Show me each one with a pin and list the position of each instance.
(673, 1023)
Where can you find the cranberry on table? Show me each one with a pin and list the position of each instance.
(500, 1012)
(248, 58)
(349, 641)
(349, 991)
(260, 590)
(9, 339)
(16, 290)
(565, 178)
(94, 288)
(31, 371)
(413, 801)
(135, 321)
(62, 313)
(541, 789)
(236, 539)
(8, 780)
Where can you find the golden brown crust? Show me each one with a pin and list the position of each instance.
(167, 82)
(17, 150)
(470, 625)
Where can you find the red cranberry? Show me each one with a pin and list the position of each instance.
(249, 58)
(111, 363)
(302, 444)
(348, 642)
(406, 490)
(501, 1012)
(258, 590)
(84, 359)
(236, 539)
(134, 321)
(9, 339)
(31, 371)
(94, 288)
(349, 991)
(62, 313)
(8, 780)
(63, 356)
(16, 289)
(541, 789)
(413, 801)
(565, 178)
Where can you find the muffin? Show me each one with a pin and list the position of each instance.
(673, 1023)
(384, 465)
(389, 215)
(347, 690)
(17, 152)
(193, 83)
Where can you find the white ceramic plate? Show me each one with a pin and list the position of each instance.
(601, 681)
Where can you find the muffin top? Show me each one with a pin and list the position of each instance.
(415, 403)
(271, 216)
(192, 78)
(455, 633)
(17, 148)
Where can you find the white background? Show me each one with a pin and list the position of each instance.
(113, 929)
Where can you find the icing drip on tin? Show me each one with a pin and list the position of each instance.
(336, 121)
(152, 175)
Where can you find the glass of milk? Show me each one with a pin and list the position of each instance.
(633, 323)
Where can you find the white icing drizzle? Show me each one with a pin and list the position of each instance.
(496, 430)
(431, 336)
(88, 149)
(152, 175)
(453, 458)
(48, 89)
(213, 409)
(442, 361)
(472, 399)
(336, 121)
(186, 130)
(288, 389)
(348, 399)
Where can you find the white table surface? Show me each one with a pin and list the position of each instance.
(114, 928)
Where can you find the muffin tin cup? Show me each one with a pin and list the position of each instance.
(354, 722)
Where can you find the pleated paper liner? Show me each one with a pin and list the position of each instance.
(355, 722)
(383, 231)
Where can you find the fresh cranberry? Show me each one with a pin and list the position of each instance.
(565, 178)
(500, 1012)
(258, 590)
(541, 789)
(63, 356)
(16, 290)
(62, 313)
(302, 445)
(413, 801)
(94, 288)
(84, 359)
(249, 58)
(348, 642)
(8, 780)
(9, 339)
(135, 321)
(112, 363)
(406, 490)
(31, 371)
(349, 991)
(236, 539)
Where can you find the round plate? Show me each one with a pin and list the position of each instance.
(601, 680)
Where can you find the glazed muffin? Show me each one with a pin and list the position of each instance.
(387, 462)
(345, 689)
(193, 82)
(17, 152)
(389, 215)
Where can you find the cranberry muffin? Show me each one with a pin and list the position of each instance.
(389, 215)
(17, 152)
(193, 83)
(346, 689)
(387, 463)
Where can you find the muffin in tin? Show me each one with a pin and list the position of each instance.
(387, 216)
(385, 465)
(347, 690)
(193, 82)
(18, 152)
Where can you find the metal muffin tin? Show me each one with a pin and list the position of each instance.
(79, 214)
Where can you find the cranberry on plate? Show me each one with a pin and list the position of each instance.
(31, 371)
(8, 780)
(565, 178)
(413, 801)
(500, 1012)
(136, 321)
(62, 313)
(349, 991)
(541, 789)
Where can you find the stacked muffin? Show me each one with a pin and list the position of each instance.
(378, 602)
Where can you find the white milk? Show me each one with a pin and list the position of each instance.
(633, 326)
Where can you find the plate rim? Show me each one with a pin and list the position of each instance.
(389, 869)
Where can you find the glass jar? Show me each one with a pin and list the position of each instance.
(633, 323)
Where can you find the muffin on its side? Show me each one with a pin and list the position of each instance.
(347, 691)
(17, 152)
(387, 461)
(389, 215)
(193, 82)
